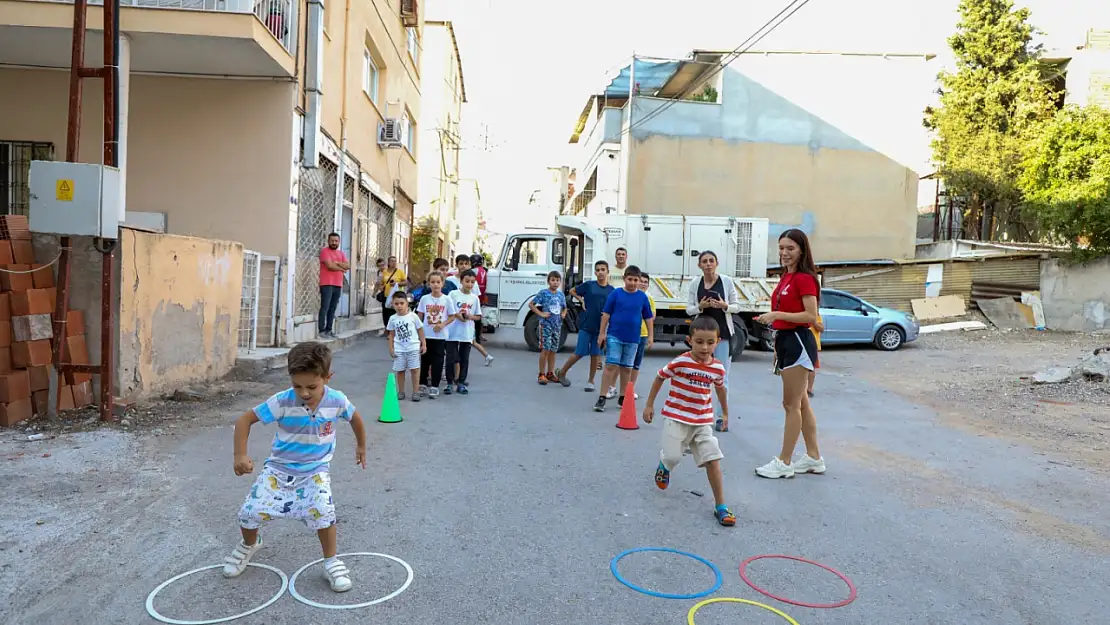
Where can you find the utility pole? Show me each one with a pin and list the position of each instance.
(626, 142)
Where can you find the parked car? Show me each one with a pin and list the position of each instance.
(849, 319)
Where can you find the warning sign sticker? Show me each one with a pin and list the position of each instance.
(64, 190)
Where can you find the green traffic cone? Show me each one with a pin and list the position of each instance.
(391, 408)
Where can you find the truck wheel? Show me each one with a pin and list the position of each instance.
(738, 341)
(766, 345)
(532, 333)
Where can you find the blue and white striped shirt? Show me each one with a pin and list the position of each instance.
(305, 441)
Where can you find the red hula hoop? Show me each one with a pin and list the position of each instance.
(852, 593)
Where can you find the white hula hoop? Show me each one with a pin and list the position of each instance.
(165, 619)
(296, 595)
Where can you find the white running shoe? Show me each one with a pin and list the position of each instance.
(805, 464)
(338, 575)
(774, 469)
(612, 393)
(236, 563)
(489, 359)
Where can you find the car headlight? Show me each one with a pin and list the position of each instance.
(911, 318)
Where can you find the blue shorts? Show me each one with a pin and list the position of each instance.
(549, 337)
(620, 353)
(640, 353)
(587, 344)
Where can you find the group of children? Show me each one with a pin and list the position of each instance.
(439, 334)
(618, 323)
(295, 481)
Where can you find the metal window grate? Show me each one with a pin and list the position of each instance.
(743, 250)
(249, 301)
(15, 173)
(316, 219)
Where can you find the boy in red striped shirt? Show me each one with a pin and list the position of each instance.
(688, 412)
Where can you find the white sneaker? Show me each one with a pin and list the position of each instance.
(612, 393)
(636, 395)
(805, 464)
(338, 575)
(489, 359)
(590, 388)
(236, 563)
(775, 469)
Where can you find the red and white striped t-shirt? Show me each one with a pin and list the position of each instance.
(690, 400)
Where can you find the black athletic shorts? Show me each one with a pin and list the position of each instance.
(795, 348)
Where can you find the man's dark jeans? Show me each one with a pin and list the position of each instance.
(329, 303)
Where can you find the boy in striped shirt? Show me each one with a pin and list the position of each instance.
(295, 483)
(688, 412)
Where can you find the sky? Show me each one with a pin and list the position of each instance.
(530, 65)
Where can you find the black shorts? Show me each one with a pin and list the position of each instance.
(795, 348)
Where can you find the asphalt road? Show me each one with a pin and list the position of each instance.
(510, 503)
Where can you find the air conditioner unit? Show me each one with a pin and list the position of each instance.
(391, 133)
(409, 13)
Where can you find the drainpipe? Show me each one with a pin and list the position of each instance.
(337, 218)
(313, 83)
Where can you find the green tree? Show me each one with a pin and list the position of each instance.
(425, 236)
(989, 108)
(1066, 178)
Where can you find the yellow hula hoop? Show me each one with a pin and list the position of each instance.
(698, 606)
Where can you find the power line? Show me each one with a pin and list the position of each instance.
(725, 60)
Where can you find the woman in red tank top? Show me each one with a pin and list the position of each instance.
(793, 310)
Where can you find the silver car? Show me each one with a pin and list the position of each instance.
(849, 319)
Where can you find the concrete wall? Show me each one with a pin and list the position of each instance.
(759, 153)
(211, 154)
(178, 311)
(1076, 298)
(214, 156)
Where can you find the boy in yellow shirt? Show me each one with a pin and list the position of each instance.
(644, 281)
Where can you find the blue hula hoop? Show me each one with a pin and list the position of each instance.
(664, 595)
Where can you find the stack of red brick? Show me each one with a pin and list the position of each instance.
(27, 305)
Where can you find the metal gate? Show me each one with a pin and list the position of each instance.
(248, 301)
(316, 219)
(375, 238)
(269, 297)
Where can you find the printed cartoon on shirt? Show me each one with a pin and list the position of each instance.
(435, 313)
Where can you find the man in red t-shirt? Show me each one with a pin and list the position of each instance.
(333, 264)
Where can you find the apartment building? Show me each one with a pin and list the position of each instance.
(440, 140)
(773, 134)
(270, 123)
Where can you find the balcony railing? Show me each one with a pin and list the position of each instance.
(279, 16)
(580, 202)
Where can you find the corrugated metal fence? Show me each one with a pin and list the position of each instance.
(895, 286)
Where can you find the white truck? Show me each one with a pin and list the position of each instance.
(665, 246)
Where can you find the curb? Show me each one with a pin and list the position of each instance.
(249, 369)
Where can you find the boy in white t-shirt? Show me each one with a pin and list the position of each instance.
(460, 335)
(437, 312)
(406, 344)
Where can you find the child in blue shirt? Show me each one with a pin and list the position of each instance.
(624, 314)
(551, 306)
(295, 482)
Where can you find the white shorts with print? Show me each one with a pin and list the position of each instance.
(277, 495)
(406, 361)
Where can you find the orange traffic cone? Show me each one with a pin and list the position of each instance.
(628, 419)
